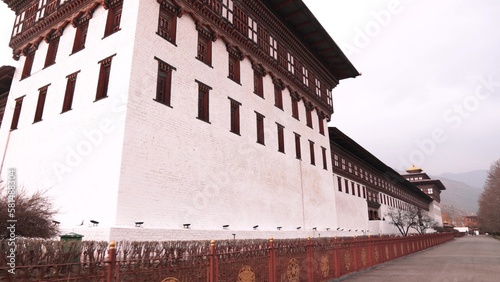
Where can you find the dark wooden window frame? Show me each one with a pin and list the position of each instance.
(260, 128)
(53, 41)
(281, 138)
(69, 92)
(295, 98)
(258, 80)
(235, 116)
(234, 58)
(28, 63)
(278, 93)
(167, 21)
(104, 74)
(164, 83)
(311, 152)
(82, 28)
(113, 20)
(321, 123)
(203, 101)
(17, 113)
(298, 153)
(204, 49)
(309, 107)
(323, 153)
(42, 95)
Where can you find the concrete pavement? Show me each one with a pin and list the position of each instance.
(470, 258)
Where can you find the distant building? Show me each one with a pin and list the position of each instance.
(431, 187)
(366, 188)
(471, 221)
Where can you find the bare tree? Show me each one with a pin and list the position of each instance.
(33, 214)
(413, 217)
(489, 202)
(424, 222)
(402, 219)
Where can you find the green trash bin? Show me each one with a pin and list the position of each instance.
(71, 247)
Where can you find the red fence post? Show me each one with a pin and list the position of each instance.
(111, 261)
(355, 254)
(272, 262)
(336, 257)
(310, 275)
(212, 272)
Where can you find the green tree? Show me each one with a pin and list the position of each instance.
(489, 202)
(33, 213)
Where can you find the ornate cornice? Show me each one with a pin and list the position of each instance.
(58, 20)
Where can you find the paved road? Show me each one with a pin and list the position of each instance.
(470, 258)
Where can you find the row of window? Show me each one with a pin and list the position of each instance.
(358, 172)
(81, 23)
(101, 92)
(250, 28)
(350, 187)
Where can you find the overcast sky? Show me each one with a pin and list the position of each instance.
(429, 93)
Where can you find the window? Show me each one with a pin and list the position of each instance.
(298, 154)
(102, 84)
(70, 91)
(311, 151)
(321, 124)
(278, 94)
(359, 191)
(204, 45)
(114, 17)
(241, 21)
(234, 64)
(291, 65)
(28, 63)
(364, 192)
(235, 116)
(308, 107)
(263, 39)
(163, 82)
(429, 191)
(339, 183)
(352, 189)
(281, 138)
(17, 113)
(258, 87)
(167, 22)
(50, 59)
(260, 128)
(203, 102)
(273, 50)
(81, 34)
(323, 153)
(227, 10)
(295, 106)
(346, 186)
(42, 93)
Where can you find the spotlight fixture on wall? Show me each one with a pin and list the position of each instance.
(298, 228)
(139, 223)
(255, 227)
(349, 230)
(226, 226)
(328, 229)
(315, 228)
(55, 222)
(279, 227)
(234, 236)
(94, 222)
(186, 225)
(338, 228)
(356, 230)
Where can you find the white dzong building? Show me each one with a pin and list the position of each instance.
(170, 119)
